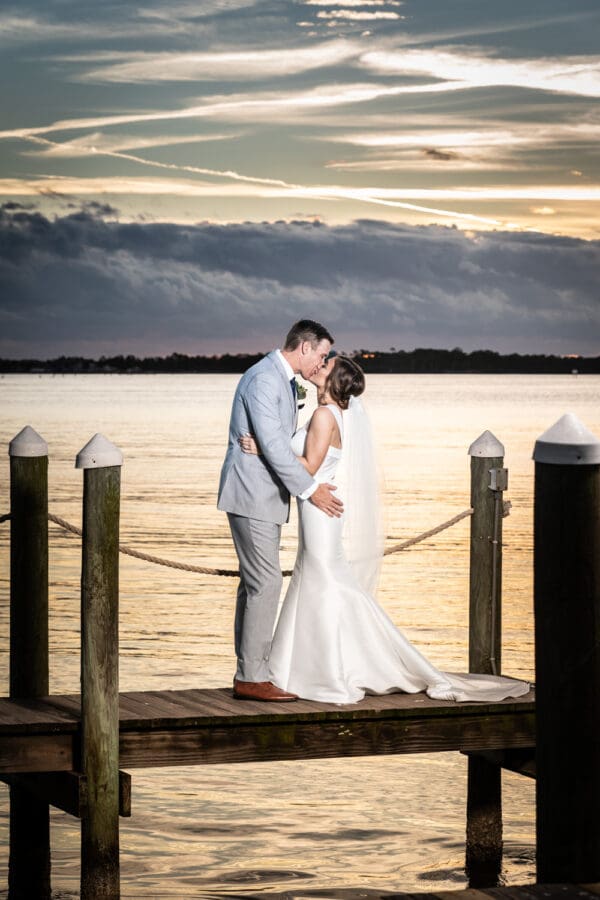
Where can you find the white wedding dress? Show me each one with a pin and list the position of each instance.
(333, 642)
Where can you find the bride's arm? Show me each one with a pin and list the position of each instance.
(318, 439)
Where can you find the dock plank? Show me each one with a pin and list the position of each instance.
(217, 706)
(30, 716)
(38, 753)
(208, 726)
(290, 740)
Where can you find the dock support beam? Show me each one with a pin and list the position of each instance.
(567, 650)
(483, 861)
(29, 862)
(101, 462)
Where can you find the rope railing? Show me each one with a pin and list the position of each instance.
(427, 534)
(234, 573)
(147, 557)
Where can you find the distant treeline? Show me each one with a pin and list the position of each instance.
(421, 360)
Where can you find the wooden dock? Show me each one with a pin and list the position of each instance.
(199, 727)
(70, 751)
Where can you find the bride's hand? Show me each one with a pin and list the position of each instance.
(249, 445)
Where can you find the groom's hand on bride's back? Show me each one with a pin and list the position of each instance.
(324, 499)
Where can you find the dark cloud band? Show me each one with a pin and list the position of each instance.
(83, 280)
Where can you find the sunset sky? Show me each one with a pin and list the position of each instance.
(192, 177)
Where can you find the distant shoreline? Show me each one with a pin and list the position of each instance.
(419, 361)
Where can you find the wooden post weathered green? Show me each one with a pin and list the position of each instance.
(484, 789)
(29, 862)
(567, 651)
(101, 462)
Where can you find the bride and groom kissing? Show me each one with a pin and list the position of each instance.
(332, 642)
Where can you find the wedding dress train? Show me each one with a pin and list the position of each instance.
(334, 643)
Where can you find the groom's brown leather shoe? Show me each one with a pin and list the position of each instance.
(260, 690)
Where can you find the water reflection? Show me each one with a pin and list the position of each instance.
(330, 828)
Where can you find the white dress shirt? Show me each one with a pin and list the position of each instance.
(291, 374)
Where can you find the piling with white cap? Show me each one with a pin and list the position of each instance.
(101, 462)
(29, 866)
(28, 444)
(567, 443)
(485, 573)
(484, 793)
(567, 642)
(98, 453)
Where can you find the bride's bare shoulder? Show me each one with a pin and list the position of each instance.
(322, 418)
(322, 415)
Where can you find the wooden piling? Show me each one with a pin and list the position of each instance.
(567, 646)
(483, 861)
(29, 862)
(101, 461)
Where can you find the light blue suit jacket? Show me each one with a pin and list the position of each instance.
(259, 487)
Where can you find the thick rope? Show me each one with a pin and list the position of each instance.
(129, 551)
(427, 534)
(234, 573)
(204, 570)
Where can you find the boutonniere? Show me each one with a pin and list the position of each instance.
(300, 394)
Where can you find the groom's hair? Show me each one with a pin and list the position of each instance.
(306, 330)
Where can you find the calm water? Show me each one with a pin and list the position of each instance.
(301, 829)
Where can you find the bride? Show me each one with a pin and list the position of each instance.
(333, 642)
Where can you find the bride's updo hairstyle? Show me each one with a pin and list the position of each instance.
(345, 380)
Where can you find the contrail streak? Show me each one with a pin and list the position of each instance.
(290, 189)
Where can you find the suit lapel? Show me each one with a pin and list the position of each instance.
(284, 378)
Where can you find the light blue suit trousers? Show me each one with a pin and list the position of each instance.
(255, 493)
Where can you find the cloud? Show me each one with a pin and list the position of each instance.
(440, 155)
(260, 106)
(239, 185)
(523, 21)
(491, 137)
(564, 74)
(242, 186)
(271, 187)
(98, 142)
(223, 66)
(351, 3)
(191, 9)
(31, 29)
(105, 21)
(491, 146)
(534, 134)
(352, 15)
(421, 161)
(81, 280)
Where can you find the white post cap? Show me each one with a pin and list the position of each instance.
(487, 445)
(567, 443)
(28, 443)
(98, 453)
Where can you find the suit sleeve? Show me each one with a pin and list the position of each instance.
(262, 405)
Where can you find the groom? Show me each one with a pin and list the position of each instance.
(255, 492)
